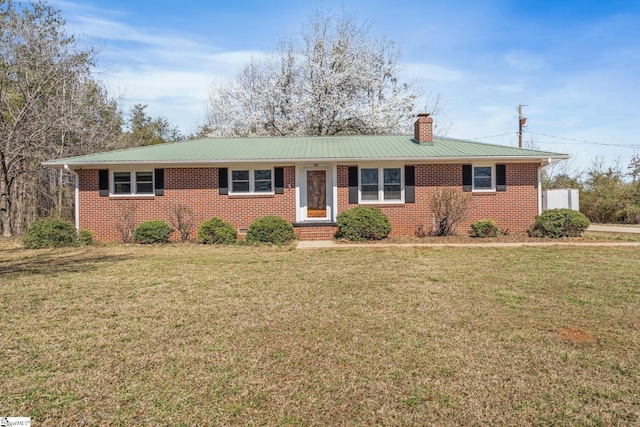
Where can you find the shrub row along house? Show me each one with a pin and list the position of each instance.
(307, 181)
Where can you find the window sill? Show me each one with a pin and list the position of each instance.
(251, 195)
(132, 196)
(491, 191)
(378, 203)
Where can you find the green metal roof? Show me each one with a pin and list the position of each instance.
(312, 148)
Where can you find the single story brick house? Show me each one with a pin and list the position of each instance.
(308, 181)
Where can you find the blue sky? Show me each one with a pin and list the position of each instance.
(574, 64)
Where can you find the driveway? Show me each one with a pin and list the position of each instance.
(615, 228)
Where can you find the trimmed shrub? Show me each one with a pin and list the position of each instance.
(217, 231)
(270, 229)
(85, 237)
(484, 228)
(363, 223)
(51, 233)
(556, 223)
(154, 231)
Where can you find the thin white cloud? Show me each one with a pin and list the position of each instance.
(524, 61)
(170, 72)
(431, 73)
(109, 30)
(514, 88)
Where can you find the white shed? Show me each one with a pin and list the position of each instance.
(567, 198)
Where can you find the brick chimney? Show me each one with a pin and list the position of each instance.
(423, 128)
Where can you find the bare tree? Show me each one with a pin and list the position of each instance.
(49, 107)
(634, 168)
(561, 175)
(334, 79)
(448, 208)
(125, 220)
(181, 218)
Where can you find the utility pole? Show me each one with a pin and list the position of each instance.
(522, 121)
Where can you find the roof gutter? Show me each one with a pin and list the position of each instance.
(543, 159)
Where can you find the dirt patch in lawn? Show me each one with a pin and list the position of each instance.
(576, 336)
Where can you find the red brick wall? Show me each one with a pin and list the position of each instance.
(197, 188)
(513, 210)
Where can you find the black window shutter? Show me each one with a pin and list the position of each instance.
(159, 182)
(279, 180)
(467, 178)
(409, 184)
(501, 177)
(223, 181)
(103, 182)
(353, 185)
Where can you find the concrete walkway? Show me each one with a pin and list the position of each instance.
(326, 244)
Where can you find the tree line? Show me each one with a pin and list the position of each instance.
(51, 106)
(608, 194)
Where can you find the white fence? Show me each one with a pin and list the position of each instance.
(563, 198)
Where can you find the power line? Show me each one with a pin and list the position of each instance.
(586, 143)
(581, 141)
(573, 140)
(493, 136)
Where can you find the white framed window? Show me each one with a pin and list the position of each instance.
(381, 184)
(483, 178)
(132, 183)
(252, 181)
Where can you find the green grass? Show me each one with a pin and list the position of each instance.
(201, 335)
(599, 235)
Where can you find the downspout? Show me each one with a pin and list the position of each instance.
(540, 189)
(76, 187)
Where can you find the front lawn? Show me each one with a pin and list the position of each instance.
(200, 335)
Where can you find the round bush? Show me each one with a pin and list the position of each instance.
(363, 223)
(556, 223)
(51, 233)
(149, 232)
(85, 237)
(217, 231)
(484, 228)
(270, 229)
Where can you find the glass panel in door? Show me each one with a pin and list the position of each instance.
(317, 194)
